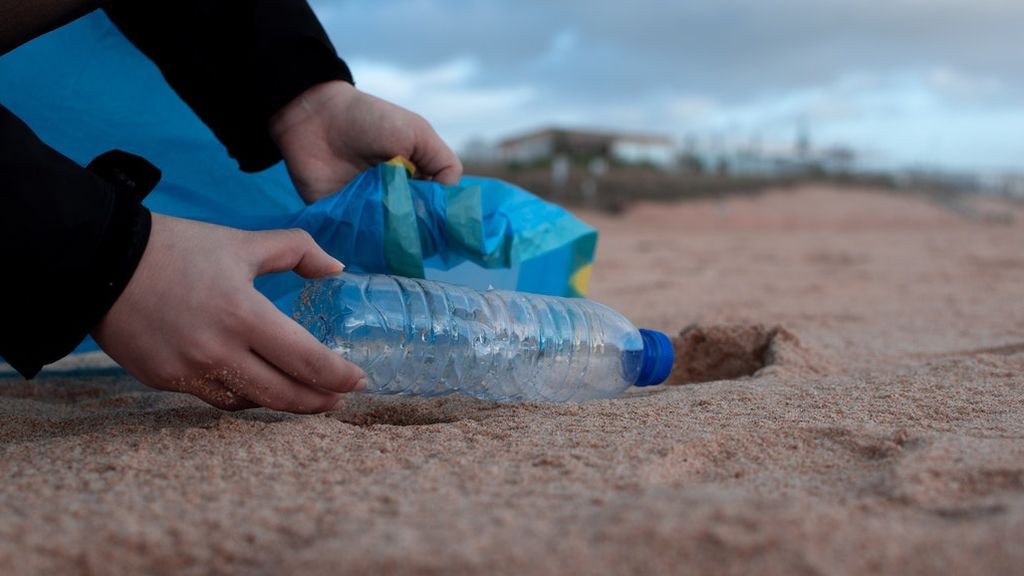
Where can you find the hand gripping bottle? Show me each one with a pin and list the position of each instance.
(426, 338)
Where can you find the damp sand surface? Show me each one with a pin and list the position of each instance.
(852, 402)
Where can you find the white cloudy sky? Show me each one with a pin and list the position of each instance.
(925, 82)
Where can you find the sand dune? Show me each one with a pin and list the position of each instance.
(853, 401)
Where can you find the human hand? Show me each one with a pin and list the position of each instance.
(191, 321)
(332, 132)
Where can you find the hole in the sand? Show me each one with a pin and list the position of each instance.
(970, 512)
(730, 351)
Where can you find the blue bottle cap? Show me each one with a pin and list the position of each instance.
(658, 357)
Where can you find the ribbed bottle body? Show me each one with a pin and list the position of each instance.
(426, 338)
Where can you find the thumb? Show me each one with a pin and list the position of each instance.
(434, 158)
(293, 249)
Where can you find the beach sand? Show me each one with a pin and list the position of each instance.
(881, 430)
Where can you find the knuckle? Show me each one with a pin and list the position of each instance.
(315, 364)
(202, 352)
(196, 358)
(249, 239)
(281, 398)
(300, 236)
(415, 118)
(349, 374)
(238, 312)
(420, 125)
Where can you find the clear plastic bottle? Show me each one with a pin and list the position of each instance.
(426, 338)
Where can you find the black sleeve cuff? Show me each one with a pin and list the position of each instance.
(126, 234)
(68, 311)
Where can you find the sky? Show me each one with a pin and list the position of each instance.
(933, 84)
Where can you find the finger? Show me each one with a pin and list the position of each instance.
(293, 249)
(265, 385)
(291, 349)
(435, 159)
(450, 175)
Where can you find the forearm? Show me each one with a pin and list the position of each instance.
(23, 20)
(70, 240)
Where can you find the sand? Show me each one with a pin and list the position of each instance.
(860, 410)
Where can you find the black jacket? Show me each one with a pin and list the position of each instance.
(71, 237)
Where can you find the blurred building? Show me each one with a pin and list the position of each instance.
(480, 151)
(624, 147)
(1013, 185)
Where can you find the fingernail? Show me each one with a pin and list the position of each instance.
(361, 385)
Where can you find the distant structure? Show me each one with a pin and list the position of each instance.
(1013, 185)
(803, 140)
(480, 151)
(772, 160)
(627, 148)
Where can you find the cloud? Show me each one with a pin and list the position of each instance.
(445, 94)
(561, 48)
(392, 82)
(894, 76)
(963, 87)
(727, 47)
